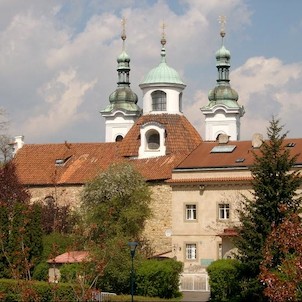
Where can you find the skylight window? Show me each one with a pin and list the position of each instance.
(61, 161)
(291, 145)
(223, 149)
(240, 160)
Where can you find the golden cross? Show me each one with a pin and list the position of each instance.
(222, 21)
(123, 21)
(163, 38)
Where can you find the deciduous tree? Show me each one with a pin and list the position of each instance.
(281, 269)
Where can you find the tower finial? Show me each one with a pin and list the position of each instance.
(123, 35)
(163, 40)
(222, 21)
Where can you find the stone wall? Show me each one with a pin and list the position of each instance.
(64, 195)
(155, 228)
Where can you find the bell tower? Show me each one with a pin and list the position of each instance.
(222, 113)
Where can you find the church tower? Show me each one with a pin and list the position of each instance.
(162, 87)
(123, 111)
(222, 113)
(162, 132)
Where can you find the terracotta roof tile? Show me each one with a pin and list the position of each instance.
(36, 163)
(202, 157)
(181, 136)
(70, 257)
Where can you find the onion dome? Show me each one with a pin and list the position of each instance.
(123, 98)
(223, 93)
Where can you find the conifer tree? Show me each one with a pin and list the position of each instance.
(274, 188)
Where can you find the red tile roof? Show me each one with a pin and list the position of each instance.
(70, 257)
(203, 158)
(36, 163)
(181, 136)
(228, 233)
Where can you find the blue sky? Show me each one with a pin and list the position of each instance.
(58, 60)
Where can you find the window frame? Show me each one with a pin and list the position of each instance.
(159, 100)
(190, 212)
(191, 251)
(224, 211)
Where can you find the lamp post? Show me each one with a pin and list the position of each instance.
(133, 246)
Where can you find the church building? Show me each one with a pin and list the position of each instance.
(197, 184)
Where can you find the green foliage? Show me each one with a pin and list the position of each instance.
(156, 278)
(21, 290)
(274, 185)
(115, 277)
(224, 280)
(55, 244)
(116, 203)
(41, 271)
(25, 239)
(69, 272)
(20, 227)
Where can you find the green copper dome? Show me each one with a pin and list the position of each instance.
(163, 73)
(123, 94)
(223, 55)
(123, 98)
(223, 95)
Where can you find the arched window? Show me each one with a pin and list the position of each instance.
(159, 102)
(153, 142)
(119, 138)
(180, 102)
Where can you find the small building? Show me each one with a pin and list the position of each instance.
(68, 257)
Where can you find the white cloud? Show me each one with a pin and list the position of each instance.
(268, 87)
(62, 54)
(64, 96)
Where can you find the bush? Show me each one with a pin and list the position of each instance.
(41, 271)
(69, 272)
(30, 291)
(156, 278)
(224, 280)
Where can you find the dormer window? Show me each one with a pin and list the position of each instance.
(159, 100)
(153, 140)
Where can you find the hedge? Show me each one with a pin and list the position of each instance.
(31, 291)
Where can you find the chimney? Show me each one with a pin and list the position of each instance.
(257, 140)
(18, 143)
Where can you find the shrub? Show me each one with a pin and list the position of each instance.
(224, 280)
(30, 291)
(41, 271)
(156, 278)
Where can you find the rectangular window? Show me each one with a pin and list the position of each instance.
(191, 251)
(191, 212)
(224, 211)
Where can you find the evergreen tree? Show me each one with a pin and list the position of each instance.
(274, 188)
